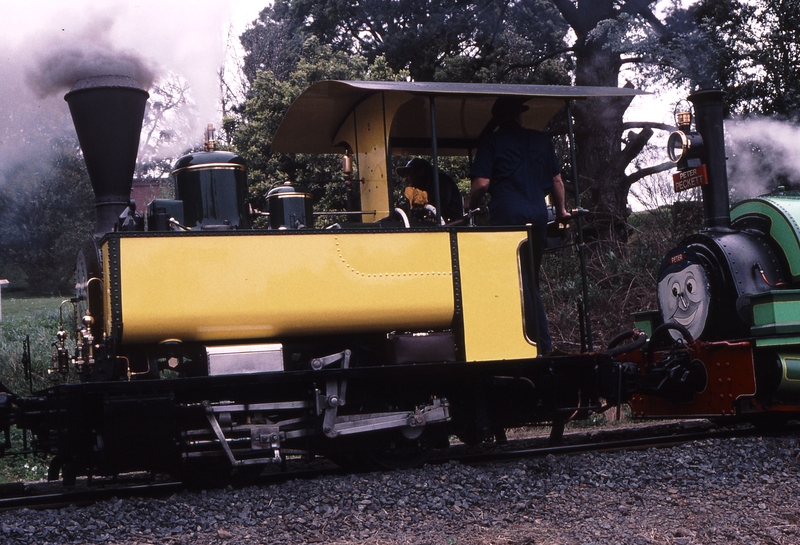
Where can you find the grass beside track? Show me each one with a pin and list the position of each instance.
(37, 317)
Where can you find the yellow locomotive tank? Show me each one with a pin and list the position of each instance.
(245, 285)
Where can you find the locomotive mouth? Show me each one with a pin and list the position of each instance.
(108, 112)
(685, 321)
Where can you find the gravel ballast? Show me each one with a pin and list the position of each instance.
(716, 491)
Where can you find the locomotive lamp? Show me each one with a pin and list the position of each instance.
(686, 148)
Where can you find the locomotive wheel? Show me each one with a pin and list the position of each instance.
(557, 432)
(391, 454)
(399, 457)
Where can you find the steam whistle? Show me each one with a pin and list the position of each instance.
(210, 138)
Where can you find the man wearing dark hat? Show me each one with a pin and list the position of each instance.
(419, 175)
(519, 167)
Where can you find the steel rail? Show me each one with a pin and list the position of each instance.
(54, 495)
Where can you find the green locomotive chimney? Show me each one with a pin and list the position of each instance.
(108, 112)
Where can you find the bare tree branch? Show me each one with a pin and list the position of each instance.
(647, 171)
(648, 125)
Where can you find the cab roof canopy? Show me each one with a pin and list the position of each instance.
(327, 116)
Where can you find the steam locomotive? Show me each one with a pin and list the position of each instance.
(204, 346)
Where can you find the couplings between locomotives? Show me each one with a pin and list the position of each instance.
(676, 376)
(263, 433)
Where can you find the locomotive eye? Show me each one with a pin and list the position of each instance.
(675, 289)
(690, 286)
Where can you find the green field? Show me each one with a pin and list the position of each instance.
(34, 317)
(15, 308)
(39, 319)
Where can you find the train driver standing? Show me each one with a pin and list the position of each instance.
(519, 167)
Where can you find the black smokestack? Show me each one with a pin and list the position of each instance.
(108, 112)
(708, 118)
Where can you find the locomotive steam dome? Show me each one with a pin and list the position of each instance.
(213, 188)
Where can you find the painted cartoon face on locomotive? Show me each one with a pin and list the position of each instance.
(683, 295)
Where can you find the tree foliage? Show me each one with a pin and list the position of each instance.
(768, 51)
(750, 49)
(511, 41)
(46, 214)
(166, 127)
(450, 40)
(269, 98)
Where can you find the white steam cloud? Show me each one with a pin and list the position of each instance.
(762, 155)
(47, 47)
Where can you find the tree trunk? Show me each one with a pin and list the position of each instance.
(599, 122)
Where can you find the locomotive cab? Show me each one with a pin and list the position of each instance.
(293, 285)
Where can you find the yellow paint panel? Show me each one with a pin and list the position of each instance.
(366, 131)
(492, 296)
(204, 288)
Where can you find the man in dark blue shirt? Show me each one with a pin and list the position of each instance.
(519, 167)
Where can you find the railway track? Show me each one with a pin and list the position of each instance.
(54, 495)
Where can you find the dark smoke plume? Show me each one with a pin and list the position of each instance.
(57, 71)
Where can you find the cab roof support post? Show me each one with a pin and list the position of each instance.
(435, 161)
(587, 342)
